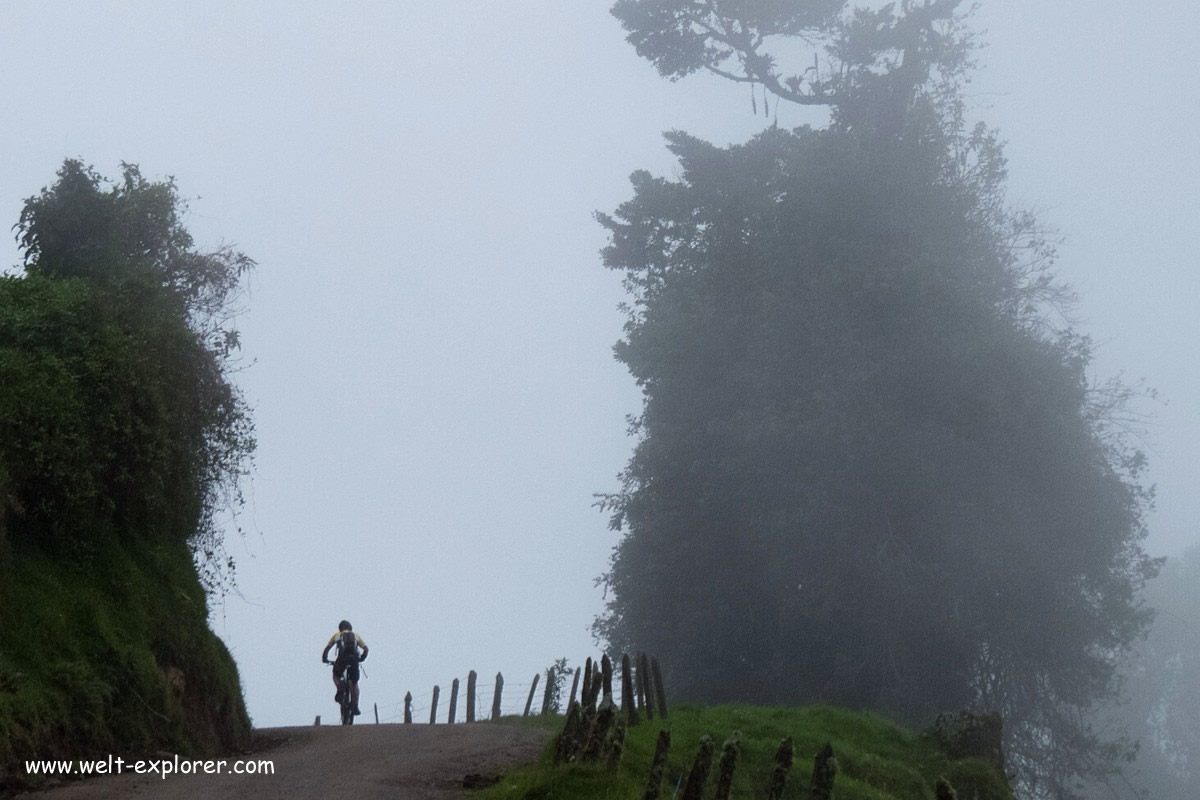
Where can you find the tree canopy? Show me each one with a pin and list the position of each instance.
(871, 467)
(876, 60)
(119, 417)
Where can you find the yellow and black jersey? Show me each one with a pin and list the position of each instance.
(357, 639)
(347, 655)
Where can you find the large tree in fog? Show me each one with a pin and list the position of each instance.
(871, 470)
(1160, 702)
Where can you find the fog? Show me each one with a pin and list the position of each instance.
(428, 332)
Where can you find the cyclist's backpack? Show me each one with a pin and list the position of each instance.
(347, 647)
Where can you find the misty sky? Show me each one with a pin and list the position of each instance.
(428, 333)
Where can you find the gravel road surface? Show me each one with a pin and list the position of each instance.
(363, 762)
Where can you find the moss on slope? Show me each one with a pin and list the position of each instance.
(114, 656)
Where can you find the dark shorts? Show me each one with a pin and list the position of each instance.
(340, 667)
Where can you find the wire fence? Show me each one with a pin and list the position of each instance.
(516, 698)
(512, 702)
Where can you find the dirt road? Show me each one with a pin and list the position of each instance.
(364, 762)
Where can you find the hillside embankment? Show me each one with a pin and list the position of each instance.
(110, 652)
(123, 444)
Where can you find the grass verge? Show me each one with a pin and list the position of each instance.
(876, 759)
(110, 653)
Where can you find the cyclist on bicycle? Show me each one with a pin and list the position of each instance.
(348, 644)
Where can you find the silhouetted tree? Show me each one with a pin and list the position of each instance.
(871, 469)
(118, 415)
(876, 61)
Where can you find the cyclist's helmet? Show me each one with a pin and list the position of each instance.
(345, 626)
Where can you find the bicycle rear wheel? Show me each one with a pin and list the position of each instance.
(347, 703)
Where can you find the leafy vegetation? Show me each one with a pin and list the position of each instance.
(121, 436)
(119, 415)
(556, 678)
(112, 657)
(871, 467)
(876, 760)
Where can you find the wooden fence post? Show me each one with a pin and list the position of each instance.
(640, 680)
(471, 696)
(694, 786)
(658, 766)
(615, 745)
(725, 767)
(783, 765)
(568, 741)
(824, 770)
(574, 688)
(647, 684)
(496, 697)
(433, 706)
(453, 701)
(587, 683)
(532, 689)
(628, 700)
(550, 673)
(377, 713)
(606, 670)
(408, 708)
(659, 691)
(587, 707)
(593, 748)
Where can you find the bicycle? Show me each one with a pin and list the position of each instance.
(346, 692)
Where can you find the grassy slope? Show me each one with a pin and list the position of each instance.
(113, 657)
(876, 759)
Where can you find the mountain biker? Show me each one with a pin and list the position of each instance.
(348, 657)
